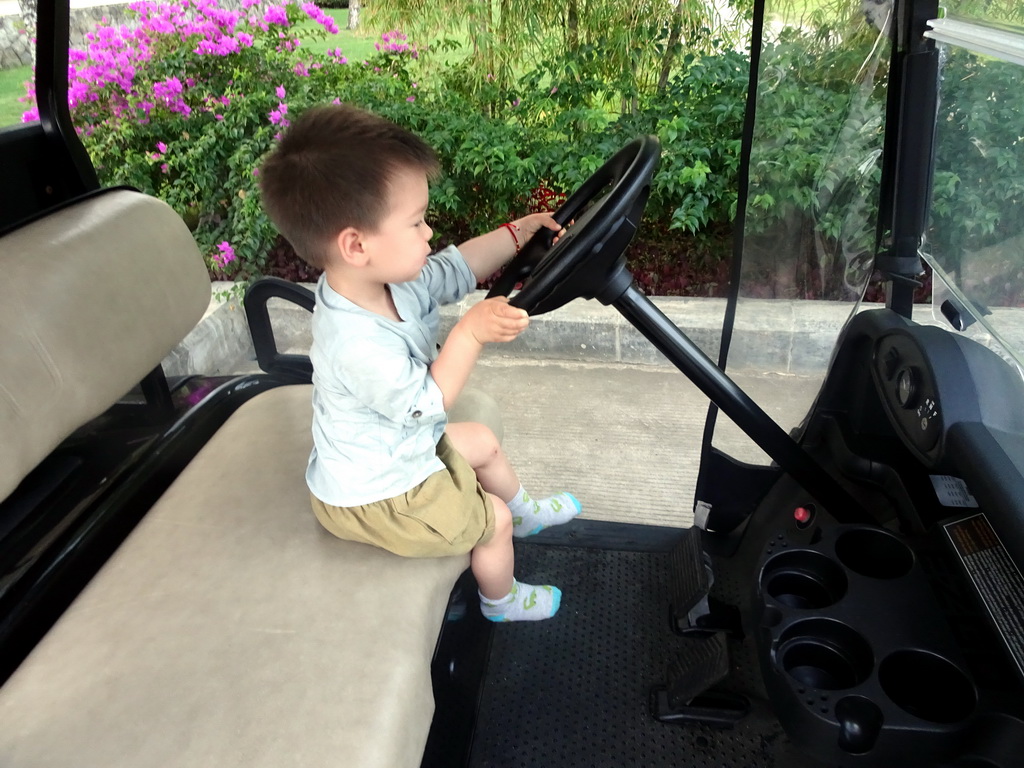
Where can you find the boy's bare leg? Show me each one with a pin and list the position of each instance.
(502, 598)
(478, 445)
(492, 562)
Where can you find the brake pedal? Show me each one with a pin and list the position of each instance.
(691, 577)
(689, 695)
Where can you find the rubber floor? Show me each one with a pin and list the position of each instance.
(575, 690)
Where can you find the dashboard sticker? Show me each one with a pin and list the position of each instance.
(953, 492)
(995, 577)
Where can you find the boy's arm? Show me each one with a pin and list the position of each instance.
(485, 254)
(492, 320)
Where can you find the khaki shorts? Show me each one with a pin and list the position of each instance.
(447, 514)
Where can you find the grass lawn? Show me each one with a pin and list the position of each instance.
(12, 87)
(355, 45)
(359, 45)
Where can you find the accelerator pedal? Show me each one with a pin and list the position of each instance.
(691, 577)
(689, 695)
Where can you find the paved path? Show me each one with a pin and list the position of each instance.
(624, 438)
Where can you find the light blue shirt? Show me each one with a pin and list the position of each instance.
(377, 411)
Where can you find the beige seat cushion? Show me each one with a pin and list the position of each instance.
(92, 298)
(231, 630)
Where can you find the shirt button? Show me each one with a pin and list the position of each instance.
(417, 414)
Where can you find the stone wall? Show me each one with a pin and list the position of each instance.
(16, 44)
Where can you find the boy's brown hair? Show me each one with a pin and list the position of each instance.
(332, 170)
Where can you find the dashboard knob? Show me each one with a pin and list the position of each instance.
(906, 387)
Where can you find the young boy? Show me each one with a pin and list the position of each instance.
(350, 191)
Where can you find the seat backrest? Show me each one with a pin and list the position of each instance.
(92, 297)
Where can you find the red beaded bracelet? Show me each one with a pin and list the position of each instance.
(512, 229)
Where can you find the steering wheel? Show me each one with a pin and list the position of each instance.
(600, 219)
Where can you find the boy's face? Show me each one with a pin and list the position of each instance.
(399, 248)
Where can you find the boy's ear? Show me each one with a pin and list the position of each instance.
(350, 247)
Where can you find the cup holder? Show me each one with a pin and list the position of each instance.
(927, 686)
(825, 654)
(804, 579)
(874, 553)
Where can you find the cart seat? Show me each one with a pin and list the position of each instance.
(228, 629)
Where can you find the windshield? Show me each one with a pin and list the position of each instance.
(975, 241)
(810, 220)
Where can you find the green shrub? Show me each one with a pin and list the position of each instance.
(979, 178)
(205, 100)
(186, 105)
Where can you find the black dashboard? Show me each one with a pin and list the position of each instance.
(907, 627)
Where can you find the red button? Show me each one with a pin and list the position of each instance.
(802, 514)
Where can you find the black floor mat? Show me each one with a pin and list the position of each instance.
(574, 690)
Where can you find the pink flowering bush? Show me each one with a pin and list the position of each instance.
(185, 103)
(397, 43)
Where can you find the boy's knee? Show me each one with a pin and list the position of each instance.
(502, 518)
(476, 442)
(484, 437)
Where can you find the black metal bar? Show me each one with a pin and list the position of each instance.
(909, 153)
(157, 392)
(52, 34)
(913, 182)
(737, 405)
(738, 240)
(262, 332)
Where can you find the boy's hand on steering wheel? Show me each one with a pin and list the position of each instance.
(495, 320)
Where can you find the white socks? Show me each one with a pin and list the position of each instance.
(524, 603)
(527, 602)
(530, 516)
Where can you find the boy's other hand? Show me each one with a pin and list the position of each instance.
(495, 320)
(529, 225)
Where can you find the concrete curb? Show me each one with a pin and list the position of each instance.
(220, 342)
(771, 336)
(793, 337)
(780, 336)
